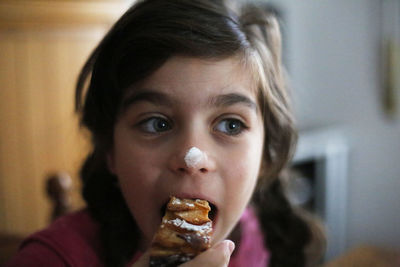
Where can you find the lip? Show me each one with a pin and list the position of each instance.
(193, 196)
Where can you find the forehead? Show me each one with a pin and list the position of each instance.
(186, 78)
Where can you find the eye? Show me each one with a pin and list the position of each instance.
(230, 126)
(155, 125)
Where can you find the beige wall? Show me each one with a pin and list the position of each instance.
(43, 45)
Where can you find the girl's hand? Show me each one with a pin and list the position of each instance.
(217, 256)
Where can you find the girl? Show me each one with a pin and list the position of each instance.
(171, 76)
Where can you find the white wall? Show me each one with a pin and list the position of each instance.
(334, 62)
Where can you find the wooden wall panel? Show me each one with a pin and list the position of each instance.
(39, 132)
(10, 193)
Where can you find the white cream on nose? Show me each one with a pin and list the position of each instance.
(193, 157)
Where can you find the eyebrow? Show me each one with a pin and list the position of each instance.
(232, 99)
(162, 99)
(156, 98)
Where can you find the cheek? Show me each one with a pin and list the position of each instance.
(245, 165)
(133, 164)
(133, 179)
(138, 175)
(139, 189)
(243, 177)
(241, 173)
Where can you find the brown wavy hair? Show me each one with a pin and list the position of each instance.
(141, 41)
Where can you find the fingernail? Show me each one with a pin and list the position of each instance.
(230, 245)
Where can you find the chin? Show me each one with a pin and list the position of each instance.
(221, 233)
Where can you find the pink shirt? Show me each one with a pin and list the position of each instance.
(73, 240)
(252, 251)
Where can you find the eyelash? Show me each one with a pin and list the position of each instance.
(242, 126)
(151, 128)
(145, 127)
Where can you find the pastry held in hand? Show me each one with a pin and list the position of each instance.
(185, 231)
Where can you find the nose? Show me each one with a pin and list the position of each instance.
(192, 160)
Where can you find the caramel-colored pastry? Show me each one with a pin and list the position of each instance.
(184, 232)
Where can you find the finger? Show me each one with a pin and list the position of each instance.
(217, 256)
(143, 261)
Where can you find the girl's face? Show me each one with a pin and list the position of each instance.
(189, 102)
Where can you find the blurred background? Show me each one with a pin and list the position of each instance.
(43, 45)
(343, 59)
(343, 62)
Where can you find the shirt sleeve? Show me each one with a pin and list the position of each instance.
(36, 254)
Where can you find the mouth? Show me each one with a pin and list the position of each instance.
(212, 213)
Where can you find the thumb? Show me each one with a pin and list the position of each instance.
(217, 256)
